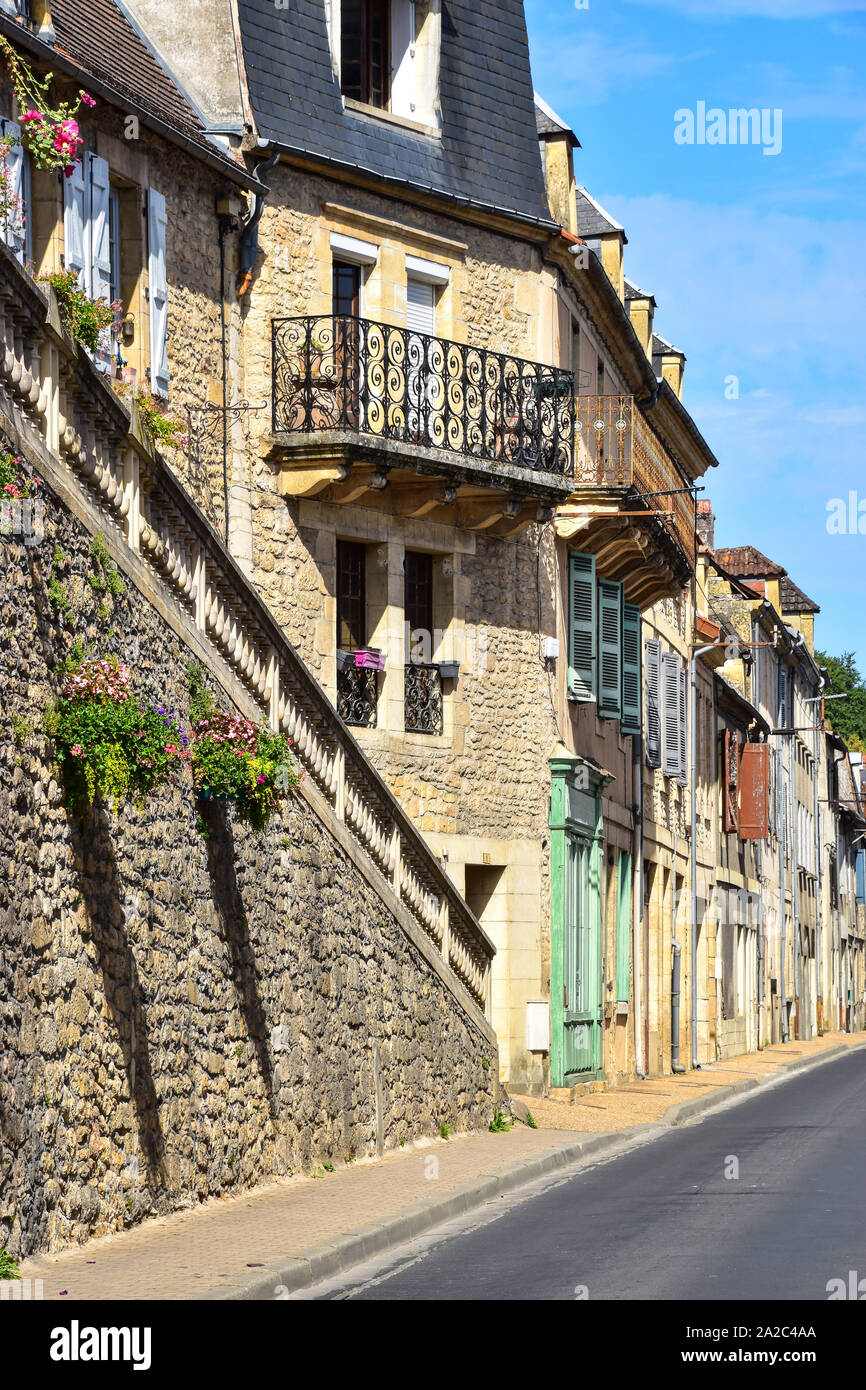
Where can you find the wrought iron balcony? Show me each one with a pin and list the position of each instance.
(423, 707)
(339, 374)
(615, 448)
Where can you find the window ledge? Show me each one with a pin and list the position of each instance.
(378, 113)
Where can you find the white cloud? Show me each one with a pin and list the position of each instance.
(591, 68)
(757, 9)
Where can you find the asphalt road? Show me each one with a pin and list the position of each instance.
(663, 1221)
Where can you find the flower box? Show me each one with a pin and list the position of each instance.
(449, 670)
(370, 660)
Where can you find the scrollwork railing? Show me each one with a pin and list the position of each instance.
(338, 373)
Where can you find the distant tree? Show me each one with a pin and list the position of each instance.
(847, 716)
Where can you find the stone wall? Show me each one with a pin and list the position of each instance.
(181, 1016)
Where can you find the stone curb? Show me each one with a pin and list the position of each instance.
(331, 1258)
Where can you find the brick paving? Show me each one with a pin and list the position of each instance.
(201, 1251)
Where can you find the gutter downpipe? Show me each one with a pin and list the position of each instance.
(637, 906)
(676, 969)
(795, 906)
(783, 922)
(759, 855)
(843, 996)
(693, 886)
(249, 246)
(819, 886)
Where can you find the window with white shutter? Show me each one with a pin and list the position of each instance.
(15, 227)
(420, 306)
(671, 695)
(652, 665)
(157, 292)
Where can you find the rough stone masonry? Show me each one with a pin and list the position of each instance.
(183, 1014)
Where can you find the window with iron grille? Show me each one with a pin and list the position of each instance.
(423, 692)
(365, 51)
(357, 687)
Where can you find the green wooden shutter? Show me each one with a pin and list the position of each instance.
(631, 701)
(623, 930)
(609, 649)
(581, 626)
(653, 704)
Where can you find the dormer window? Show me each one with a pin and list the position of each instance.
(365, 51)
(387, 55)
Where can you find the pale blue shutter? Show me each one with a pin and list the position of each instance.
(100, 250)
(158, 292)
(782, 709)
(609, 649)
(652, 663)
(631, 684)
(581, 627)
(684, 727)
(671, 739)
(75, 224)
(861, 875)
(15, 226)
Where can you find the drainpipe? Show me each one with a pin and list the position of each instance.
(759, 858)
(637, 907)
(783, 921)
(818, 885)
(795, 902)
(843, 992)
(693, 886)
(249, 245)
(676, 970)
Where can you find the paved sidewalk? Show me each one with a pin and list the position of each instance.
(295, 1232)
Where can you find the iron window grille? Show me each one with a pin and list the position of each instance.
(423, 704)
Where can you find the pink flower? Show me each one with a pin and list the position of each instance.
(76, 750)
(87, 99)
(33, 116)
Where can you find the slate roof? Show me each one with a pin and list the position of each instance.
(745, 562)
(548, 123)
(794, 600)
(592, 220)
(488, 152)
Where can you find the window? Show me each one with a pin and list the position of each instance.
(420, 306)
(365, 51)
(423, 710)
(604, 661)
(347, 288)
(15, 228)
(418, 573)
(599, 376)
(351, 596)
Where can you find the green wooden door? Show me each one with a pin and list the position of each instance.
(581, 1018)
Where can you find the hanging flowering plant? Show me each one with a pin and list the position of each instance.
(14, 482)
(110, 744)
(160, 428)
(82, 317)
(234, 760)
(50, 133)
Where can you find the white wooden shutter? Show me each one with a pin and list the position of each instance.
(782, 710)
(420, 306)
(653, 659)
(403, 59)
(158, 291)
(100, 250)
(671, 741)
(14, 228)
(75, 223)
(582, 602)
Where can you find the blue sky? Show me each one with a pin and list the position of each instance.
(757, 262)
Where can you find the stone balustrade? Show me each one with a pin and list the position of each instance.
(54, 391)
